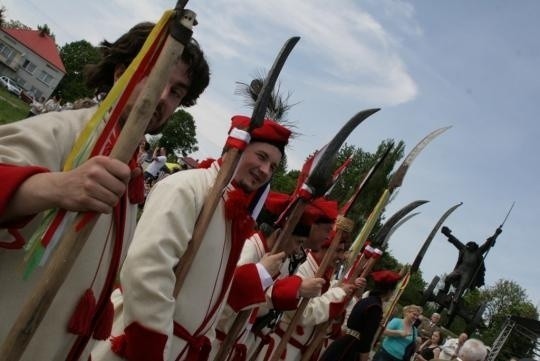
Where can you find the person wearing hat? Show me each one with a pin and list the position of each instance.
(329, 302)
(363, 321)
(262, 281)
(150, 323)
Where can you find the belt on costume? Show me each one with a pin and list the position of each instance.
(353, 333)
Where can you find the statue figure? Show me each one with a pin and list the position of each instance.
(470, 269)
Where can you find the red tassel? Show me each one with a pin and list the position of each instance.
(119, 345)
(80, 321)
(105, 321)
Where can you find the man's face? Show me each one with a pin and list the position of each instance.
(318, 234)
(435, 318)
(256, 166)
(339, 256)
(174, 92)
(462, 338)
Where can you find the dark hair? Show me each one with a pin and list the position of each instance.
(382, 288)
(100, 76)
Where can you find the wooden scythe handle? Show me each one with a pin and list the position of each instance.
(212, 200)
(303, 304)
(228, 343)
(73, 240)
(320, 330)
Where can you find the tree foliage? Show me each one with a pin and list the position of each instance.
(179, 135)
(507, 298)
(75, 56)
(361, 162)
(45, 30)
(3, 12)
(16, 24)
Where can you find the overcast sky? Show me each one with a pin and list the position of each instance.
(428, 64)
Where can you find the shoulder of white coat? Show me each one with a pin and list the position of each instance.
(194, 182)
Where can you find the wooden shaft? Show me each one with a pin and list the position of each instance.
(318, 337)
(282, 241)
(320, 330)
(229, 341)
(73, 240)
(330, 253)
(211, 202)
(37, 305)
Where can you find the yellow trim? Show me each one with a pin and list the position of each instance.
(81, 148)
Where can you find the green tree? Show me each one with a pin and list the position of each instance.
(16, 24)
(45, 30)
(75, 56)
(507, 298)
(3, 12)
(361, 162)
(284, 181)
(179, 135)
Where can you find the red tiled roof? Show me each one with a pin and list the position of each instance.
(43, 46)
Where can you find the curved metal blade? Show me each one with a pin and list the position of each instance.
(398, 224)
(392, 221)
(346, 208)
(319, 179)
(416, 264)
(259, 110)
(399, 175)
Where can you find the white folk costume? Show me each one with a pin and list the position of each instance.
(254, 281)
(40, 144)
(152, 324)
(319, 310)
(282, 295)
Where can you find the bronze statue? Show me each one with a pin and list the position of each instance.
(470, 269)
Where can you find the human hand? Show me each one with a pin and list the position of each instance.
(311, 287)
(95, 186)
(360, 282)
(446, 231)
(272, 262)
(349, 288)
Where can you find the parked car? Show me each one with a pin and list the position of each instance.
(10, 85)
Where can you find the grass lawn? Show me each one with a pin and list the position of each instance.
(11, 107)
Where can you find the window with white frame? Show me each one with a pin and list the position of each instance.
(5, 50)
(45, 77)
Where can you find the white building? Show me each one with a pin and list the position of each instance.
(32, 59)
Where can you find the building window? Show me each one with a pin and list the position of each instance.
(5, 50)
(29, 66)
(45, 77)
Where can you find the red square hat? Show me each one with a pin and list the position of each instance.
(320, 210)
(385, 276)
(269, 132)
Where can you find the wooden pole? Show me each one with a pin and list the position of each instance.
(74, 239)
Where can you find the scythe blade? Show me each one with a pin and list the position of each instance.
(319, 179)
(259, 110)
(416, 264)
(399, 175)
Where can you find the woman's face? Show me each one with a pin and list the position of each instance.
(412, 315)
(435, 337)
